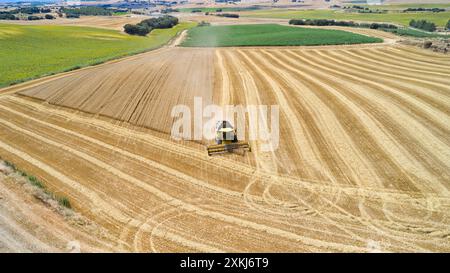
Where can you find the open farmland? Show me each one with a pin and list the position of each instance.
(402, 6)
(363, 161)
(33, 51)
(215, 9)
(439, 18)
(108, 22)
(270, 35)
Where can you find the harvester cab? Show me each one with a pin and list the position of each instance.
(226, 140)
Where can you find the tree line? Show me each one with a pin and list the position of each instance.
(419, 24)
(70, 12)
(12, 14)
(8, 16)
(27, 10)
(424, 9)
(228, 15)
(423, 24)
(34, 17)
(327, 22)
(169, 10)
(30, 17)
(147, 25)
(95, 11)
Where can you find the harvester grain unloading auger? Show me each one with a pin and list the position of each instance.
(226, 140)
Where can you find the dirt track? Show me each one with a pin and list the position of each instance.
(29, 222)
(363, 162)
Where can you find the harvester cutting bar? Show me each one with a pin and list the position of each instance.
(223, 148)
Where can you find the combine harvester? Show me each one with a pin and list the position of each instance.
(226, 139)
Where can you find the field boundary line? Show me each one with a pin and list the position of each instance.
(64, 179)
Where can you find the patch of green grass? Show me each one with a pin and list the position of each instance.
(31, 179)
(10, 164)
(415, 33)
(28, 52)
(63, 201)
(34, 181)
(120, 13)
(439, 18)
(270, 35)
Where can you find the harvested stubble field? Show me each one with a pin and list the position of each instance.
(363, 162)
(141, 91)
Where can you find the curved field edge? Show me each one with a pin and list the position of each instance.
(57, 49)
(25, 206)
(270, 35)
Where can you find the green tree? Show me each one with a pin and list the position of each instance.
(140, 30)
(423, 24)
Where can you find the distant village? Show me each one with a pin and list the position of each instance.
(40, 10)
(73, 9)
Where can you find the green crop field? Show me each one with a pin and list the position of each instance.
(404, 6)
(29, 51)
(270, 35)
(224, 9)
(439, 18)
(120, 13)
